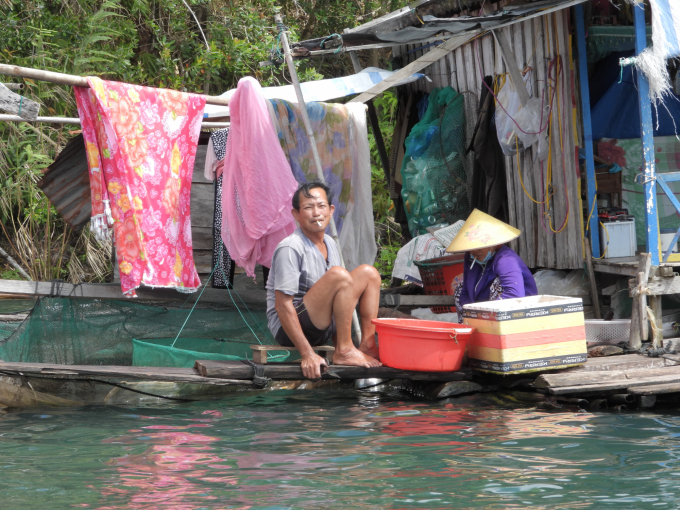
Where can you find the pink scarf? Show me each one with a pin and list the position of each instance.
(141, 144)
(258, 184)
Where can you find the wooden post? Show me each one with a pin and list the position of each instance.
(655, 305)
(14, 103)
(647, 135)
(373, 119)
(591, 276)
(591, 184)
(638, 320)
(312, 142)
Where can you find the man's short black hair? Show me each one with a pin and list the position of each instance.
(305, 189)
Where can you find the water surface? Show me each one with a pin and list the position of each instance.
(337, 449)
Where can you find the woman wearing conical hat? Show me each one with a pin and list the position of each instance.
(492, 269)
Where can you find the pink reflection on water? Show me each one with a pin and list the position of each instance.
(167, 475)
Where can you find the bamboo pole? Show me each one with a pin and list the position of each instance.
(312, 142)
(76, 120)
(15, 265)
(75, 81)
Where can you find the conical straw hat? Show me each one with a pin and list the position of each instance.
(482, 231)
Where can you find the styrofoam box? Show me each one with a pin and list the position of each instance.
(507, 306)
(607, 331)
(618, 238)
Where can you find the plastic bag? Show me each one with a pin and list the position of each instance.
(530, 121)
(419, 248)
(561, 283)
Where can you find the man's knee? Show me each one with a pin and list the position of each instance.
(371, 273)
(340, 275)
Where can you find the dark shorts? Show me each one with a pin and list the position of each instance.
(315, 336)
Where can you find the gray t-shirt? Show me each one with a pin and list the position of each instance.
(296, 265)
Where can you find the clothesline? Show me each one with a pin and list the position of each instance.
(76, 120)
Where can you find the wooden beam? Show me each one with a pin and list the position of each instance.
(511, 65)
(113, 291)
(292, 371)
(605, 376)
(659, 286)
(110, 371)
(415, 66)
(396, 300)
(375, 125)
(14, 103)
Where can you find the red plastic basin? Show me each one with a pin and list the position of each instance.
(425, 346)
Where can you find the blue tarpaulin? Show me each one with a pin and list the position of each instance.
(617, 113)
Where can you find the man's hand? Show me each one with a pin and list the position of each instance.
(311, 365)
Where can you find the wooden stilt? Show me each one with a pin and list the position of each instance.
(591, 276)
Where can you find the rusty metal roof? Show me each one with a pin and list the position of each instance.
(66, 183)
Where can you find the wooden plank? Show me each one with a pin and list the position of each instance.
(559, 200)
(655, 389)
(436, 73)
(320, 348)
(199, 165)
(512, 202)
(547, 257)
(589, 378)
(471, 73)
(605, 266)
(488, 55)
(453, 73)
(443, 72)
(524, 161)
(602, 387)
(19, 105)
(499, 63)
(291, 371)
(113, 291)
(202, 238)
(202, 205)
(110, 371)
(460, 68)
(659, 286)
(574, 235)
(624, 362)
(395, 300)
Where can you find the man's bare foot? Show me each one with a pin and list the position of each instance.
(355, 358)
(369, 347)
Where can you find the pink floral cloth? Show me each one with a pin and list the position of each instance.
(258, 184)
(141, 145)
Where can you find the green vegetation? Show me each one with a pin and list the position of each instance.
(149, 43)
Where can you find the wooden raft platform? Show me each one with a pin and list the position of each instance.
(634, 374)
(218, 372)
(292, 371)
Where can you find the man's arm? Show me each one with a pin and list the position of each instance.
(311, 362)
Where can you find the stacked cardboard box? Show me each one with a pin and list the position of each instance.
(526, 334)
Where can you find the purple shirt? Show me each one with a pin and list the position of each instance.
(515, 277)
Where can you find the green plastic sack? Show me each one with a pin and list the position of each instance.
(434, 187)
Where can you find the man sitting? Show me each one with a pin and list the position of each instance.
(311, 297)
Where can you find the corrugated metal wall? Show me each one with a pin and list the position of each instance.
(535, 42)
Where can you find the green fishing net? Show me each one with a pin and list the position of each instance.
(126, 332)
(433, 172)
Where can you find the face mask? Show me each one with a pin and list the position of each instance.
(482, 263)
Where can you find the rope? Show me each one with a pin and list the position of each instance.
(21, 102)
(192, 308)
